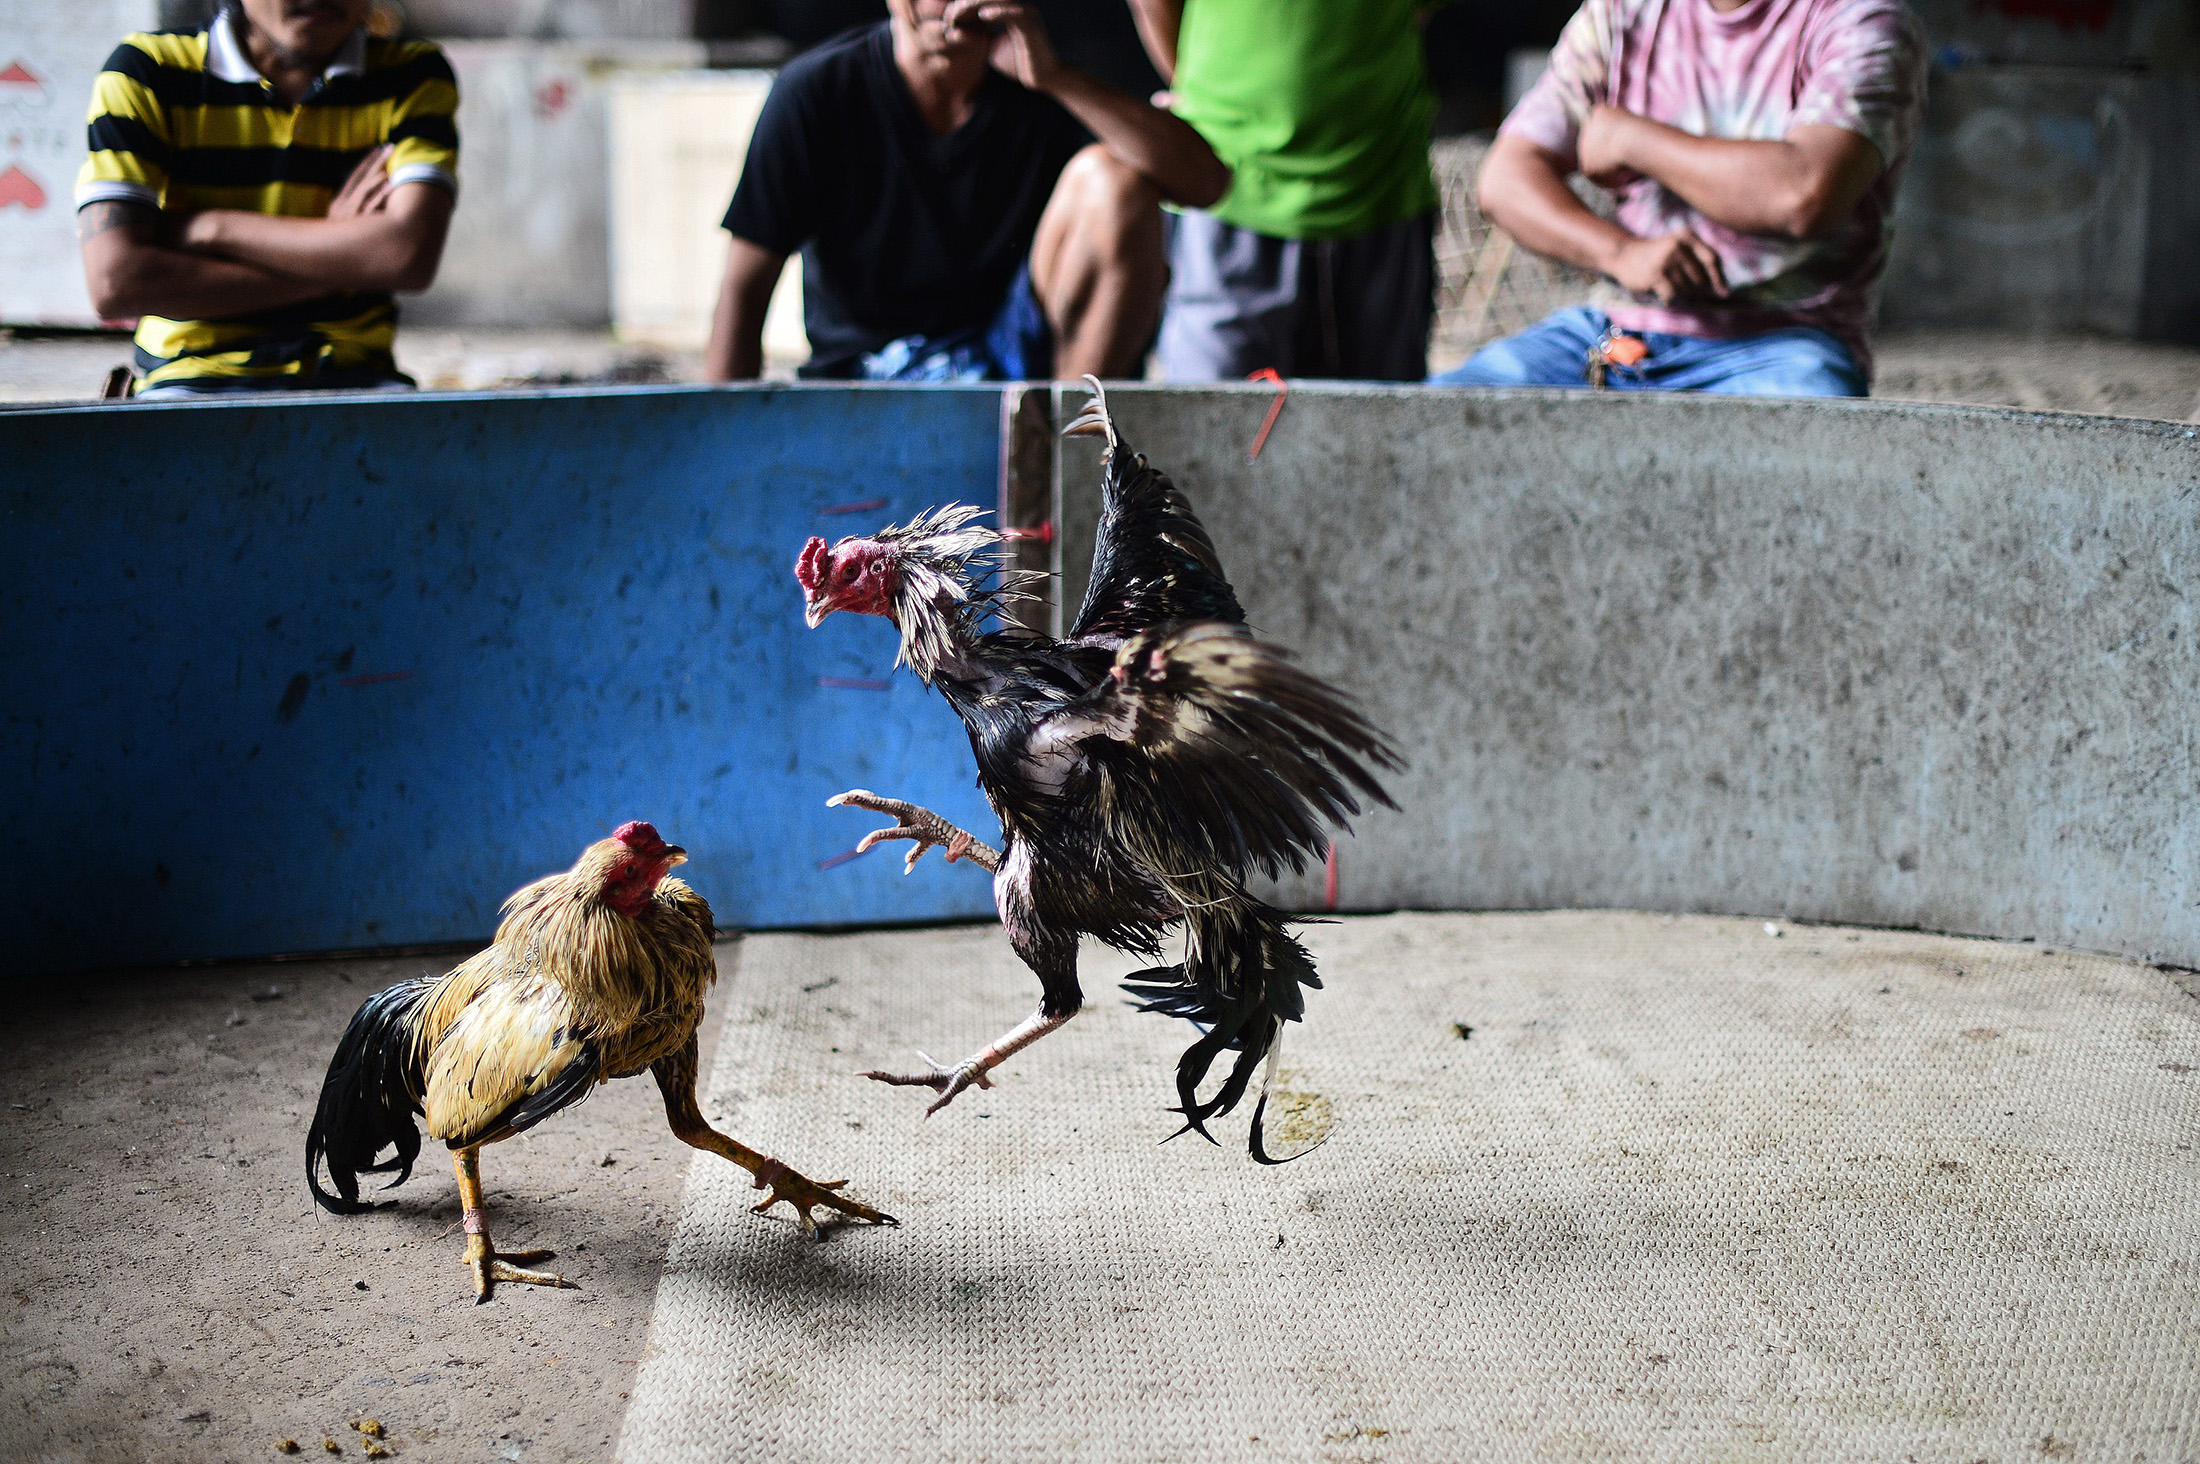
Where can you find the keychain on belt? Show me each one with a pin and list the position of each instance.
(1615, 348)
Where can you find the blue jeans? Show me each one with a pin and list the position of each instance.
(1797, 361)
(1017, 344)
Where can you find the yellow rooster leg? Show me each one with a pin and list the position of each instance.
(676, 1080)
(481, 1253)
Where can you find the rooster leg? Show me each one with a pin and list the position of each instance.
(676, 1081)
(923, 826)
(971, 1071)
(481, 1253)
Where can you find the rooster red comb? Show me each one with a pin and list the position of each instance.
(640, 837)
(810, 568)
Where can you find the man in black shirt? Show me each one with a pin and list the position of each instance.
(956, 216)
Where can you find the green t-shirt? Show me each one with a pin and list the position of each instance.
(1321, 107)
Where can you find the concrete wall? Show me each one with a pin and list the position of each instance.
(530, 244)
(49, 55)
(2050, 198)
(313, 675)
(310, 674)
(678, 144)
(1893, 665)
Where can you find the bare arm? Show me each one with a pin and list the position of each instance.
(131, 273)
(1159, 23)
(736, 350)
(1523, 188)
(1798, 187)
(1137, 134)
(394, 246)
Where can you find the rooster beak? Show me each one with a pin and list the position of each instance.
(815, 611)
(674, 854)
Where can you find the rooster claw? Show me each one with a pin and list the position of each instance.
(490, 1267)
(924, 828)
(808, 1194)
(944, 1080)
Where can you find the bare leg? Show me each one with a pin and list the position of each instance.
(971, 1071)
(927, 828)
(676, 1080)
(1098, 267)
(481, 1253)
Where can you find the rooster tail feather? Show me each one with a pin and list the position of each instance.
(1241, 982)
(370, 1098)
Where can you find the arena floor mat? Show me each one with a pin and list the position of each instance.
(1588, 1185)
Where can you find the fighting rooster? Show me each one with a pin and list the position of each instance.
(1141, 768)
(595, 974)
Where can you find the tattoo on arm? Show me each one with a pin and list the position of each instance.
(95, 219)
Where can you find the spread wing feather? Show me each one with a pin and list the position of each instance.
(1153, 562)
(1216, 741)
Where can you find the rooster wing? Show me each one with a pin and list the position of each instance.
(1217, 743)
(508, 1051)
(1153, 562)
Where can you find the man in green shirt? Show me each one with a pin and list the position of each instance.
(1319, 260)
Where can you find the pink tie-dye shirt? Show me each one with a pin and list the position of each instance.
(1753, 73)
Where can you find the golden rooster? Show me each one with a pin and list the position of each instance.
(595, 974)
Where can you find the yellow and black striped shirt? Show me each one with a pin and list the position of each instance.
(185, 122)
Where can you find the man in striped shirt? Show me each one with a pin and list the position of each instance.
(256, 192)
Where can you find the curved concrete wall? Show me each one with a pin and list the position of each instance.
(299, 674)
(1889, 665)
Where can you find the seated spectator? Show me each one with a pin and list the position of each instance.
(957, 221)
(255, 193)
(1319, 261)
(1755, 146)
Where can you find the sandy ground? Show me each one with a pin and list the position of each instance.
(172, 1293)
(2055, 373)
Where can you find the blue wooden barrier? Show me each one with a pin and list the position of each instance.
(307, 676)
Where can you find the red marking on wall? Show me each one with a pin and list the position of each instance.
(840, 859)
(375, 678)
(861, 506)
(1275, 408)
(553, 97)
(19, 187)
(18, 74)
(1044, 534)
(2093, 15)
(854, 683)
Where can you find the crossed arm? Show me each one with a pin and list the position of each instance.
(221, 262)
(1798, 187)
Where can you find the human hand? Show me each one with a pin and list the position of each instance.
(1601, 149)
(367, 190)
(1676, 266)
(1021, 50)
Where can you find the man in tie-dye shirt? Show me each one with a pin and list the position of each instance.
(1755, 147)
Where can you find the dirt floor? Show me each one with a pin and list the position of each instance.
(172, 1293)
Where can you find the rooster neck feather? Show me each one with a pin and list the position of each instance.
(617, 969)
(949, 582)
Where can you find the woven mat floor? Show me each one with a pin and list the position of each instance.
(1686, 1191)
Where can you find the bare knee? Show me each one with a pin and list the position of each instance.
(1105, 201)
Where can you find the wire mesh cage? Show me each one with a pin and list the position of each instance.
(1486, 285)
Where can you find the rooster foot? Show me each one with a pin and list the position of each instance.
(944, 1080)
(808, 1194)
(920, 825)
(490, 1267)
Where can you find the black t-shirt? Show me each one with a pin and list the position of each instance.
(901, 233)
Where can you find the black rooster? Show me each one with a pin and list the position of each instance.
(1141, 768)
